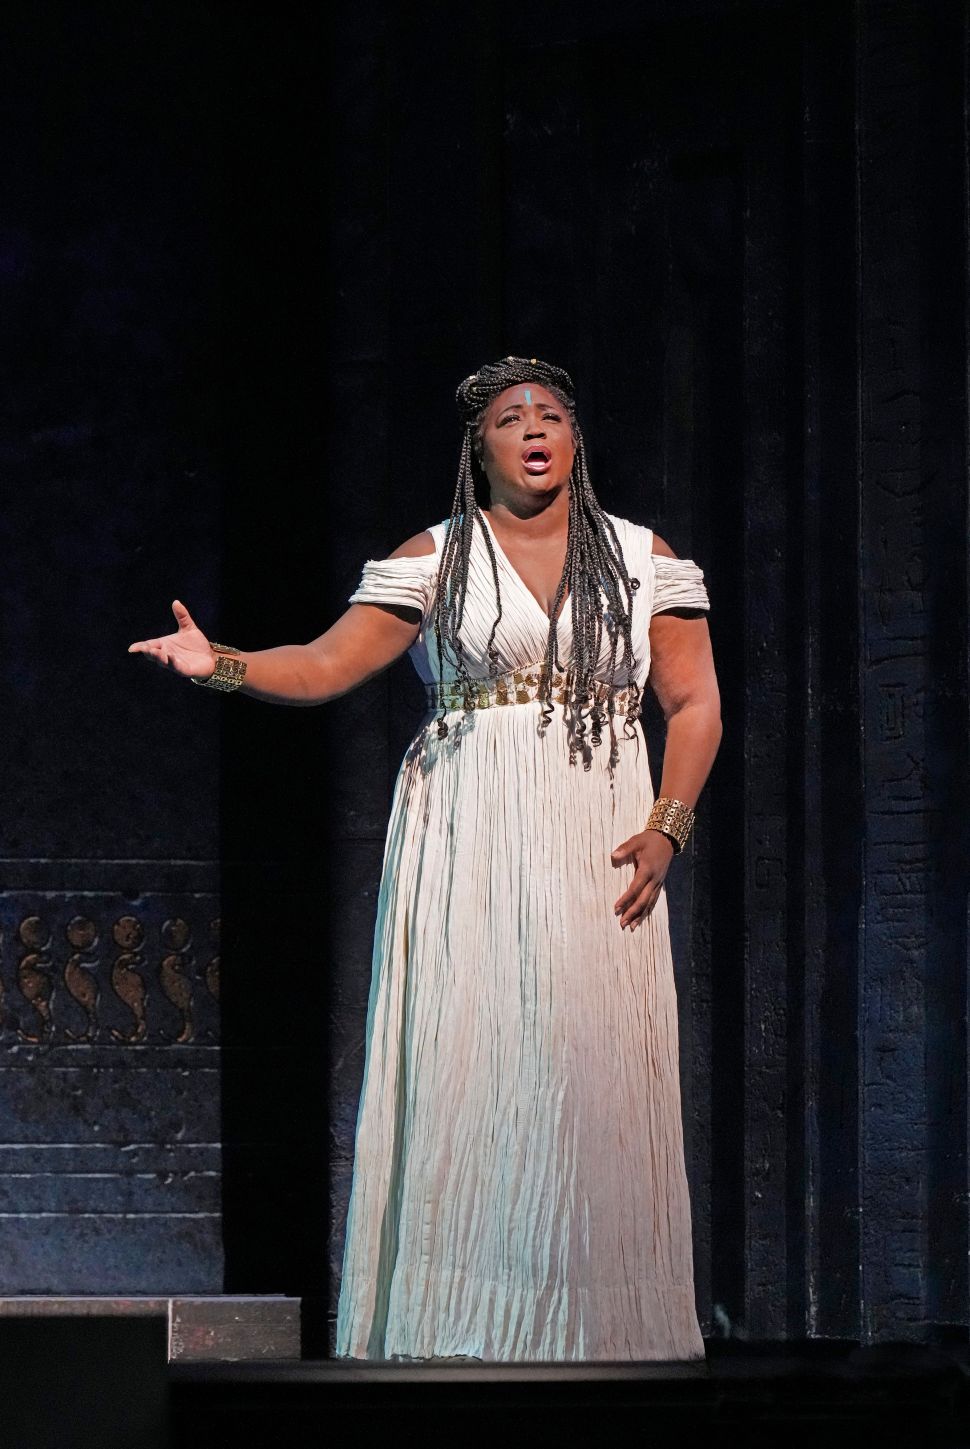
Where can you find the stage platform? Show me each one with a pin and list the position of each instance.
(783, 1395)
(227, 1371)
(215, 1327)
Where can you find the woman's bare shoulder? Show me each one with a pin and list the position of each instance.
(419, 546)
(657, 544)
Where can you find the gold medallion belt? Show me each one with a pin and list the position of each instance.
(519, 686)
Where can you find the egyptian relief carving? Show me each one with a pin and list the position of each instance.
(80, 975)
(212, 969)
(127, 983)
(124, 981)
(172, 974)
(34, 979)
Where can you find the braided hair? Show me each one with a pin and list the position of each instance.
(594, 571)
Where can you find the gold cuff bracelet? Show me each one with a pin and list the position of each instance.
(674, 819)
(230, 671)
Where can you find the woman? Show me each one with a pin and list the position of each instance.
(519, 1186)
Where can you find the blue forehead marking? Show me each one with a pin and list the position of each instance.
(528, 396)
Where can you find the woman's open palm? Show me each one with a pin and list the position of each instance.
(186, 651)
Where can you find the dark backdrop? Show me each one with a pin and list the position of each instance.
(247, 254)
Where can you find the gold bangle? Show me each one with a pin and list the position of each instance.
(674, 819)
(230, 670)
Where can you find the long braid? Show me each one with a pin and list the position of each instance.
(594, 574)
(452, 584)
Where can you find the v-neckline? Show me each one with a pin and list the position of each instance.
(518, 577)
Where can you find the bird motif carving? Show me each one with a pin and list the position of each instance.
(175, 984)
(34, 978)
(127, 984)
(212, 969)
(79, 977)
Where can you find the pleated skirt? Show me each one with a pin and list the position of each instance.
(519, 1189)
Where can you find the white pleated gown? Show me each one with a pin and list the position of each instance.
(519, 1189)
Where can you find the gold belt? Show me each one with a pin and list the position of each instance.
(520, 686)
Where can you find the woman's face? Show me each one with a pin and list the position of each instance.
(527, 442)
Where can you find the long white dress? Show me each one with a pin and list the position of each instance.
(519, 1190)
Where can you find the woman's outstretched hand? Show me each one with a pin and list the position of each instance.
(651, 854)
(186, 651)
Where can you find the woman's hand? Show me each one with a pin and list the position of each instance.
(187, 651)
(651, 853)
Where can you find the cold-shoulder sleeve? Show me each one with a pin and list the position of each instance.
(408, 582)
(679, 585)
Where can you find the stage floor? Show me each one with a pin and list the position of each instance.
(786, 1395)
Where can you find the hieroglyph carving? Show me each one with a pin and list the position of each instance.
(69, 980)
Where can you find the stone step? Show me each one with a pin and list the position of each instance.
(218, 1328)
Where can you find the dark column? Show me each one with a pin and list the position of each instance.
(109, 914)
(826, 787)
(913, 598)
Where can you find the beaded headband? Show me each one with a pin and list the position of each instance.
(478, 390)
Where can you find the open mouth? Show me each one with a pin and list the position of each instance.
(537, 460)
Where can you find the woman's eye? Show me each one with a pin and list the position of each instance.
(516, 417)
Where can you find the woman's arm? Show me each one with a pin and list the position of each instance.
(363, 641)
(683, 678)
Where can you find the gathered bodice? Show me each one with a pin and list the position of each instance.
(523, 629)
